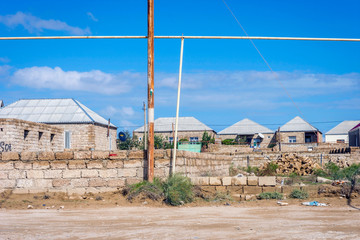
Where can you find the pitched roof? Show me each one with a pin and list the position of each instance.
(1, 103)
(297, 124)
(343, 127)
(356, 127)
(245, 127)
(52, 111)
(185, 124)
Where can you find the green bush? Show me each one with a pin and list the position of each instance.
(222, 196)
(320, 173)
(178, 190)
(299, 194)
(270, 195)
(334, 171)
(228, 142)
(270, 170)
(150, 190)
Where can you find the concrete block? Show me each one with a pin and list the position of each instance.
(58, 164)
(53, 174)
(239, 181)
(7, 156)
(46, 156)
(226, 181)
(6, 165)
(252, 181)
(133, 180)
(127, 172)
(90, 173)
(269, 189)
(267, 181)
(252, 190)
(108, 173)
(4, 175)
(41, 165)
(71, 173)
(23, 165)
(60, 182)
(159, 154)
(97, 182)
(119, 154)
(95, 164)
(16, 174)
(235, 189)
(132, 163)
(24, 183)
(64, 155)
(221, 189)
(76, 164)
(7, 183)
(31, 174)
(100, 155)
(78, 155)
(43, 183)
(215, 181)
(116, 182)
(140, 173)
(200, 181)
(180, 161)
(28, 156)
(162, 163)
(138, 154)
(115, 164)
(82, 182)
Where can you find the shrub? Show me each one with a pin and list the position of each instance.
(270, 195)
(149, 190)
(299, 194)
(270, 170)
(320, 173)
(334, 171)
(222, 196)
(228, 142)
(178, 190)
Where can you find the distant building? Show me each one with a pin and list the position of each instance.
(339, 134)
(80, 127)
(354, 136)
(188, 128)
(1, 103)
(249, 131)
(297, 130)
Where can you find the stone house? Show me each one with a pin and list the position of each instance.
(80, 127)
(189, 128)
(250, 132)
(339, 134)
(298, 131)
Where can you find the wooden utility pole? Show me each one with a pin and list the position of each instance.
(150, 76)
(145, 127)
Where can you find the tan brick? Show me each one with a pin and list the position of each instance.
(267, 181)
(252, 180)
(221, 189)
(24, 183)
(53, 174)
(116, 182)
(140, 173)
(108, 173)
(131, 180)
(82, 182)
(235, 189)
(41, 165)
(23, 165)
(97, 182)
(139, 154)
(71, 174)
(179, 161)
(162, 163)
(127, 172)
(159, 154)
(200, 181)
(60, 182)
(239, 181)
(226, 181)
(95, 164)
(16, 174)
(119, 154)
(34, 174)
(82, 155)
(28, 156)
(7, 183)
(4, 174)
(64, 155)
(100, 155)
(252, 190)
(58, 164)
(6, 156)
(269, 189)
(46, 156)
(91, 173)
(43, 183)
(6, 165)
(76, 164)
(214, 181)
(132, 163)
(115, 164)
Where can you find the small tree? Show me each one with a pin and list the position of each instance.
(158, 141)
(206, 139)
(129, 143)
(351, 174)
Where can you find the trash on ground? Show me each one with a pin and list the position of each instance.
(314, 203)
(282, 203)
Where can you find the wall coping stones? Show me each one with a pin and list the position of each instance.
(78, 155)
(252, 180)
(30, 156)
(6, 156)
(99, 155)
(46, 156)
(136, 154)
(64, 155)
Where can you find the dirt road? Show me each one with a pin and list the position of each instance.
(214, 222)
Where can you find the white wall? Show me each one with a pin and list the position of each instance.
(333, 138)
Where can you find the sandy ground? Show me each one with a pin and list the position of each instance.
(238, 221)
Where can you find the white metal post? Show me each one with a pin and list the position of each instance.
(177, 108)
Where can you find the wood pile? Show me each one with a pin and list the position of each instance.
(292, 163)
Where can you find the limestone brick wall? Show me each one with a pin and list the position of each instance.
(181, 134)
(102, 142)
(39, 137)
(284, 137)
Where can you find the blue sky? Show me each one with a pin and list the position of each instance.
(224, 81)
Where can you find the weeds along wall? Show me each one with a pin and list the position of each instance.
(98, 171)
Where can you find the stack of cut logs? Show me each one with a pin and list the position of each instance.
(292, 163)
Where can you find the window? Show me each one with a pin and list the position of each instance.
(340, 140)
(26, 133)
(292, 139)
(52, 137)
(40, 135)
(171, 139)
(67, 139)
(194, 139)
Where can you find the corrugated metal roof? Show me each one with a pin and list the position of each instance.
(52, 111)
(185, 124)
(245, 127)
(297, 124)
(343, 127)
(356, 127)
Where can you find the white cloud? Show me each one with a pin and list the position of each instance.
(122, 112)
(92, 17)
(35, 24)
(4, 59)
(57, 79)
